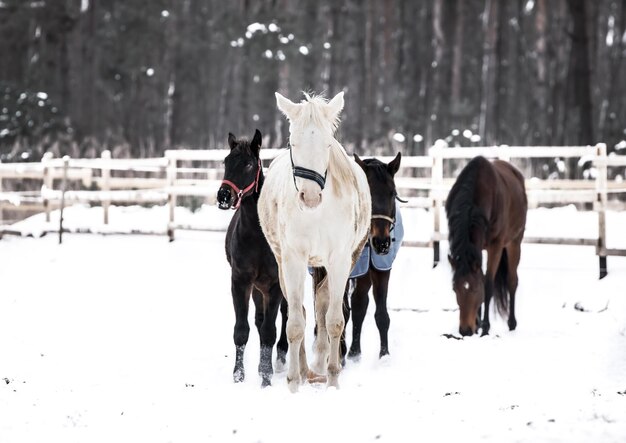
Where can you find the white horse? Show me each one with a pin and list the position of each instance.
(315, 210)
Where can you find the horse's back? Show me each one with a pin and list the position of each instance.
(511, 187)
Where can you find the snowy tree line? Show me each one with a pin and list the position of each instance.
(141, 76)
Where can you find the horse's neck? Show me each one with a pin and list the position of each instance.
(477, 237)
(249, 203)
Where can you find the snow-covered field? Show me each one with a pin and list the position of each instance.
(129, 339)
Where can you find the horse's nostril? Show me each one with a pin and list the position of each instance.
(301, 195)
(222, 194)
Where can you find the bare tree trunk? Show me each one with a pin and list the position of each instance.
(457, 57)
(490, 27)
(438, 43)
(580, 71)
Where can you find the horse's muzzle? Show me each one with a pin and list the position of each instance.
(381, 245)
(224, 198)
(466, 331)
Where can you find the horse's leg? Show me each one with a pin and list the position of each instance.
(350, 285)
(494, 254)
(259, 310)
(241, 297)
(267, 332)
(293, 268)
(259, 317)
(360, 300)
(380, 280)
(281, 347)
(321, 344)
(514, 253)
(338, 272)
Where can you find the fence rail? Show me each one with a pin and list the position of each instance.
(198, 173)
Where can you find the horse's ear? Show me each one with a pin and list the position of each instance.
(255, 144)
(287, 107)
(359, 162)
(232, 141)
(394, 164)
(334, 107)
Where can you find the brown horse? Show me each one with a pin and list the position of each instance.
(486, 209)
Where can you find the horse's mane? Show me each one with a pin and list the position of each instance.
(463, 216)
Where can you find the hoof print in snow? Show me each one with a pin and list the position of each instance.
(448, 394)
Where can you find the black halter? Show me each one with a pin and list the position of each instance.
(309, 174)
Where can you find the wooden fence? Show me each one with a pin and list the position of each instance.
(198, 173)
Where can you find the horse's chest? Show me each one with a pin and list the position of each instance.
(317, 238)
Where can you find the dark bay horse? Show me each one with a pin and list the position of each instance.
(374, 266)
(486, 209)
(254, 268)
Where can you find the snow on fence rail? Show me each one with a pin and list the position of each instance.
(164, 179)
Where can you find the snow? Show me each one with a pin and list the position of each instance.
(129, 338)
(399, 137)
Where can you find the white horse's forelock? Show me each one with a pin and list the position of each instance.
(314, 112)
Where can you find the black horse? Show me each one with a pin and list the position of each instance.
(374, 265)
(254, 268)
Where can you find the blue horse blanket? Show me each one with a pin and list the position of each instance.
(380, 262)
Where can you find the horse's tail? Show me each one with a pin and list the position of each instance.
(500, 285)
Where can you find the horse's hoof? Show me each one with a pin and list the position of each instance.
(239, 375)
(484, 330)
(383, 353)
(281, 361)
(266, 381)
(313, 377)
(512, 324)
(280, 366)
(293, 385)
(354, 355)
(333, 381)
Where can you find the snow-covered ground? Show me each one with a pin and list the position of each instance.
(129, 339)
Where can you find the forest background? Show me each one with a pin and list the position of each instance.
(142, 76)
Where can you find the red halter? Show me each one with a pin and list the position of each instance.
(241, 192)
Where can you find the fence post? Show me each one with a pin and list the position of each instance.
(171, 181)
(66, 164)
(600, 205)
(48, 181)
(106, 183)
(436, 152)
